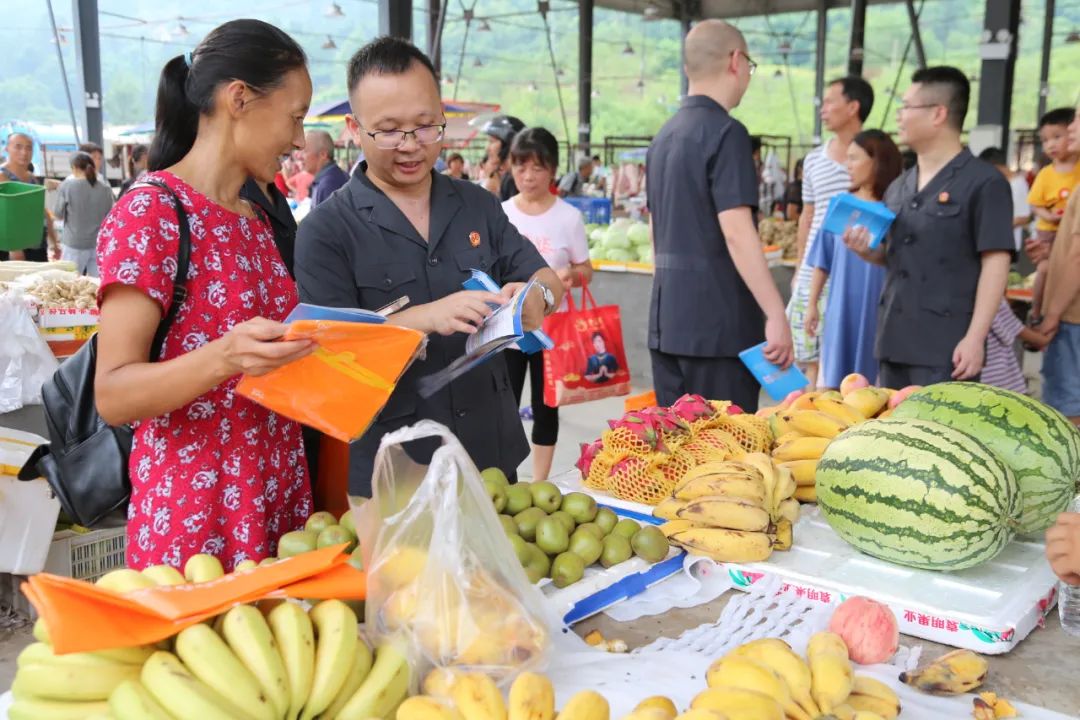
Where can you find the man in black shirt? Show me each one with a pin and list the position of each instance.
(713, 295)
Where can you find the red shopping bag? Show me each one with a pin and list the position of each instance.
(588, 361)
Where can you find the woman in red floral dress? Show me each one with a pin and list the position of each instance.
(211, 472)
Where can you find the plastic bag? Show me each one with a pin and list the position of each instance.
(26, 361)
(444, 581)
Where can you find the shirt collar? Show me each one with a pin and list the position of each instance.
(703, 101)
(446, 201)
(325, 170)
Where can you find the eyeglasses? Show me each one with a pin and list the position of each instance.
(904, 107)
(394, 139)
(749, 62)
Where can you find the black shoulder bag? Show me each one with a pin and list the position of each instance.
(86, 460)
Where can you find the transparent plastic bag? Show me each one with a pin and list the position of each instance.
(26, 361)
(442, 577)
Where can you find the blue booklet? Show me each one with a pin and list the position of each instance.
(303, 311)
(529, 343)
(846, 210)
(776, 382)
(500, 330)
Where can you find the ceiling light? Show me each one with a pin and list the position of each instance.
(329, 44)
(181, 30)
(595, 93)
(448, 80)
(532, 87)
(1073, 38)
(484, 27)
(778, 74)
(629, 49)
(559, 72)
(334, 10)
(651, 12)
(478, 63)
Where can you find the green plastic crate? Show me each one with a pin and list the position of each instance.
(22, 215)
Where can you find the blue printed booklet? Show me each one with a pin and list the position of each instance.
(501, 330)
(776, 382)
(846, 210)
(303, 311)
(530, 343)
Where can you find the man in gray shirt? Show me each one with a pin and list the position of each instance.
(82, 202)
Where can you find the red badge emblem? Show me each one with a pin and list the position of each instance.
(474, 239)
(943, 198)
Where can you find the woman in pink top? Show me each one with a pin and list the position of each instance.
(557, 229)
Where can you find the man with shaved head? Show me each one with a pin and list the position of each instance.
(19, 152)
(713, 295)
(318, 159)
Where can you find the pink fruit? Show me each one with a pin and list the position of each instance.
(692, 408)
(735, 410)
(666, 421)
(901, 395)
(588, 454)
(852, 382)
(868, 628)
(791, 397)
(643, 426)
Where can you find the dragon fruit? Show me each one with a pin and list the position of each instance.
(693, 408)
(668, 422)
(589, 451)
(642, 426)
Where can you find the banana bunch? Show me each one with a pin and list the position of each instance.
(732, 511)
(804, 429)
(766, 680)
(450, 694)
(954, 673)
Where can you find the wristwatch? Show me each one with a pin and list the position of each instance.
(549, 298)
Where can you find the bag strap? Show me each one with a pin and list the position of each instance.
(587, 297)
(183, 259)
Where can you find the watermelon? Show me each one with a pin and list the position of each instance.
(918, 493)
(1040, 445)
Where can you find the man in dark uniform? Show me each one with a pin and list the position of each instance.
(713, 295)
(399, 229)
(948, 252)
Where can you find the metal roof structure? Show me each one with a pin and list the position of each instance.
(725, 9)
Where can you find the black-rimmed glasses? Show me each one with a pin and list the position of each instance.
(394, 139)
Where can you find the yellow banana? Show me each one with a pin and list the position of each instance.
(742, 487)
(744, 673)
(696, 714)
(832, 680)
(248, 635)
(423, 707)
(401, 568)
(383, 689)
(295, 638)
(871, 695)
(124, 580)
(40, 653)
(72, 681)
(804, 448)
(658, 702)
(337, 630)
(785, 485)
(668, 508)
(804, 471)
(33, 709)
(806, 494)
(789, 510)
(164, 575)
(439, 681)
(864, 715)
(776, 654)
(725, 545)
(770, 477)
(837, 409)
(783, 535)
(186, 697)
(673, 526)
(954, 673)
(210, 660)
(786, 438)
(361, 666)
(826, 643)
(844, 712)
(868, 401)
(130, 655)
(586, 705)
(739, 703)
(203, 568)
(718, 467)
(131, 701)
(478, 698)
(816, 424)
(531, 698)
(725, 512)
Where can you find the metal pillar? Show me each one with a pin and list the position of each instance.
(819, 64)
(435, 18)
(395, 18)
(88, 50)
(1001, 24)
(858, 30)
(585, 66)
(685, 22)
(916, 36)
(1044, 67)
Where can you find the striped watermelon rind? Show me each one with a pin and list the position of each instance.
(918, 493)
(1040, 445)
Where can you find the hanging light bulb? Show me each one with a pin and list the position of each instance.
(559, 72)
(641, 84)
(448, 80)
(478, 63)
(334, 10)
(329, 44)
(532, 87)
(651, 12)
(1073, 38)
(484, 27)
(629, 49)
(181, 30)
(595, 93)
(778, 74)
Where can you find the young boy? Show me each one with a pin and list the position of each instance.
(1050, 193)
(1002, 368)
